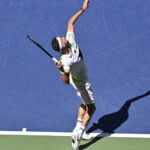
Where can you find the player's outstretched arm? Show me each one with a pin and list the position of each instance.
(76, 16)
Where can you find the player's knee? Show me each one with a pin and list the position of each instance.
(83, 106)
(91, 109)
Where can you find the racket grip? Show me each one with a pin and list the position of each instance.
(54, 59)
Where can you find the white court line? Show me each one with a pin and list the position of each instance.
(31, 133)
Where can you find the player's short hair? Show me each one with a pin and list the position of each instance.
(55, 44)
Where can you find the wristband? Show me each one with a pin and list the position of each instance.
(82, 10)
(62, 70)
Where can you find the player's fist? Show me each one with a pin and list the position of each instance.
(58, 64)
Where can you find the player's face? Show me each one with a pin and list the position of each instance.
(63, 41)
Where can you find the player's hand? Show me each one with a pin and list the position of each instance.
(85, 4)
(59, 64)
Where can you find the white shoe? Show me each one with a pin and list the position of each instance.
(75, 141)
(86, 136)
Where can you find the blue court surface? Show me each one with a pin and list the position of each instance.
(114, 38)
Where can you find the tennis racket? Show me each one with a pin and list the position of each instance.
(45, 51)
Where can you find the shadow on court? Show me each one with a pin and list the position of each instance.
(97, 138)
(109, 123)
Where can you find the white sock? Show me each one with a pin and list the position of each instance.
(79, 123)
(80, 132)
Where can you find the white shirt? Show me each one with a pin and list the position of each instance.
(74, 62)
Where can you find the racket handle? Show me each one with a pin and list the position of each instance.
(54, 59)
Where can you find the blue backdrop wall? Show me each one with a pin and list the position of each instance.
(114, 38)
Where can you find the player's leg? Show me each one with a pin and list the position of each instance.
(81, 110)
(84, 115)
(88, 105)
(90, 109)
(79, 131)
(81, 113)
(84, 112)
(87, 108)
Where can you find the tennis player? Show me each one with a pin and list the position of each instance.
(74, 71)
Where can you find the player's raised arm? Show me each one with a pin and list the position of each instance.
(76, 16)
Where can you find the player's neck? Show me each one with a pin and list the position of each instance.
(68, 51)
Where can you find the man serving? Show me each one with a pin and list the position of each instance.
(74, 71)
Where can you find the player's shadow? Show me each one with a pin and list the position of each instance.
(110, 122)
(97, 138)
